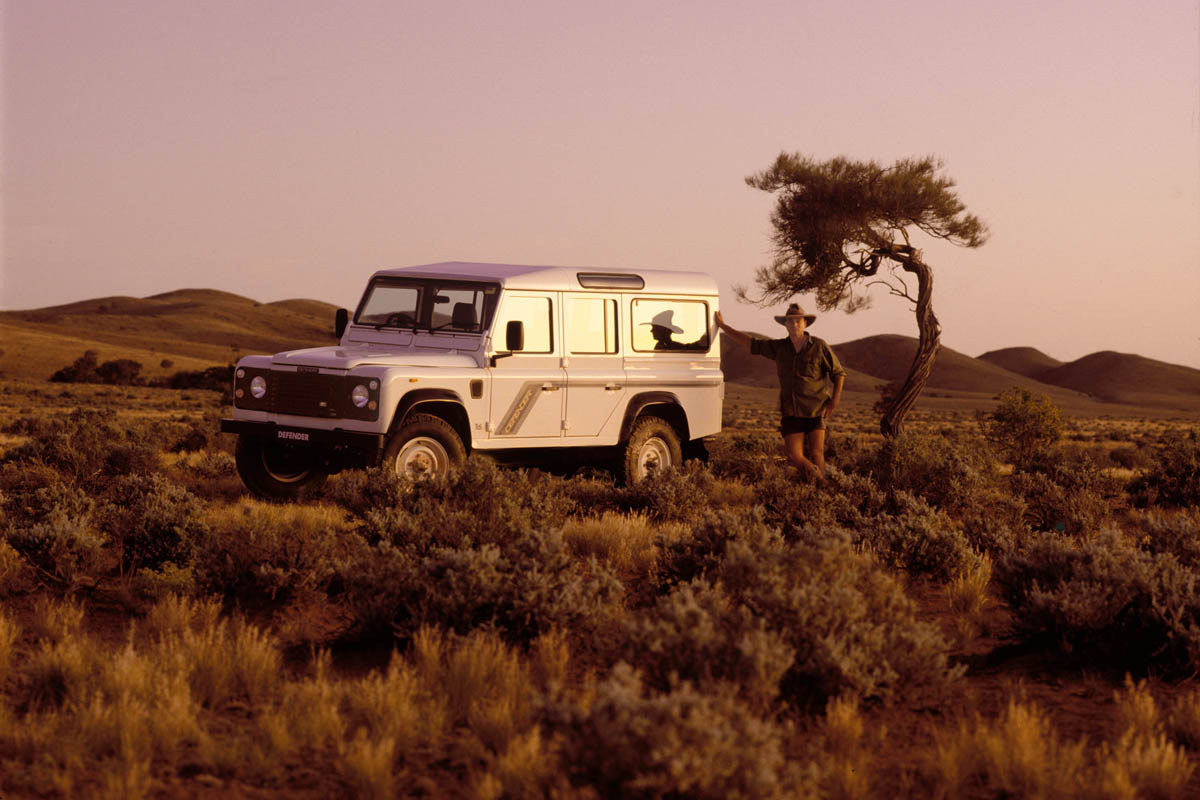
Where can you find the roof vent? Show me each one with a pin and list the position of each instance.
(610, 280)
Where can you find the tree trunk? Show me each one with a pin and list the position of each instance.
(892, 422)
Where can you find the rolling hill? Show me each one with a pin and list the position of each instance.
(1027, 361)
(198, 328)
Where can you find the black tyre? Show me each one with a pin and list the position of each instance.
(651, 449)
(277, 471)
(424, 448)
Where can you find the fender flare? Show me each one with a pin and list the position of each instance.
(640, 402)
(416, 397)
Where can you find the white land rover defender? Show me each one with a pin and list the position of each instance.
(516, 361)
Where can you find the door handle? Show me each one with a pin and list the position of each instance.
(613, 387)
(549, 387)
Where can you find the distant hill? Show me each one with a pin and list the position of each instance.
(1027, 361)
(1128, 378)
(191, 328)
(888, 356)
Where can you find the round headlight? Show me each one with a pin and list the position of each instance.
(360, 396)
(258, 387)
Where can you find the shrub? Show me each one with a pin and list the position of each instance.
(1064, 491)
(1174, 532)
(482, 503)
(1104, 597)
(1173, 478)
(260, 550)
(62, 546)
(917, 539)
(88, 449)
(946, 471)
(154, 521)
(527, 584)
(633, 742)
(852, 628)
(82, 371)
(698, 634)
(1022, 425)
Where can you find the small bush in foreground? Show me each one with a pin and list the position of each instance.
(1105, 598)
(640, 743)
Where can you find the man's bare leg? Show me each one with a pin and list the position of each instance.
(793, 447)
(814, 446)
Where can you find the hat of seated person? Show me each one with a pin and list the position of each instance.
(794, 311)
(665, 319)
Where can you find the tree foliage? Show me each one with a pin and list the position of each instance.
(837, 222)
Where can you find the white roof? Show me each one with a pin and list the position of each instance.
(557, 279)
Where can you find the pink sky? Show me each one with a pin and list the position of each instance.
(288, 149)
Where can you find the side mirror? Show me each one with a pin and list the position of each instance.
(514, 335)
(340, 320)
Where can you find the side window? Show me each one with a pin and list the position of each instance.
(670, 325)
(591, 325)
(534, 312)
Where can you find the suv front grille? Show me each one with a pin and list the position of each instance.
(305, 394)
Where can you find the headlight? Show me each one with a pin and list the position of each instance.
(360, 396)
(258, 387)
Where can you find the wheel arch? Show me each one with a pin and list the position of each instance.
(658, 404)
(445, 404)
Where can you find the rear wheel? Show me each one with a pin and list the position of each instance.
(652, 449)
(277, 471)
(425, 448)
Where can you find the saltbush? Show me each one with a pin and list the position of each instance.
(154, 521)
(89, 449)
(917, 538)
(1173, 478)
(849, 623)
(697, 633)
(1102, 597)
(61, 545)
(524, 585)
(640, 743)
(1022, 425)
(1175, 532)
(948, 471)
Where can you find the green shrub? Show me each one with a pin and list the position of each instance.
(481, 503)
(698, 634)
(1103, 597)
(525, 585)
(86, 447)
(918, 539)
(255, 550)
(638, 743)
(1173, 478)
(154, 521)
(1022, 425)
(61, 545)
(851, 626)
(947, 471)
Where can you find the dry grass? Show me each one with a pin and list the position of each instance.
(628, 541)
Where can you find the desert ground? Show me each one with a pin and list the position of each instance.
(950, 616)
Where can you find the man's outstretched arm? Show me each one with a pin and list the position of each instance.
(743, 339)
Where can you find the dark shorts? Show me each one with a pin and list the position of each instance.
(790, 425)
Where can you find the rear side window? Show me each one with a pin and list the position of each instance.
(534, 313)
(660, 325)
(591, 325)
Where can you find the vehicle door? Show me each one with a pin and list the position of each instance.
(595, 368)
(527, 388)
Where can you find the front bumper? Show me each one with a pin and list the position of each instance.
(364, 446)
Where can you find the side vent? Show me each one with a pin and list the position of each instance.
(476, 389)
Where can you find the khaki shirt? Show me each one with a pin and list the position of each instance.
(805, 376)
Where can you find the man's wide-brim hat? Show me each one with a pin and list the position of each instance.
(794, 311)
(665, 319)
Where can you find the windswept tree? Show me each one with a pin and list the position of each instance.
(838, 222)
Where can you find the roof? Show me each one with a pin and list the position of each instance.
(556, 279)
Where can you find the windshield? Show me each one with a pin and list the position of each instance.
(428, 304)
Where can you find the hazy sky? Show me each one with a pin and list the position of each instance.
(288, 149)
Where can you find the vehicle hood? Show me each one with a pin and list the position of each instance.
(363, 355)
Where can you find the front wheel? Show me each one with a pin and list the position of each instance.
(277, 471)
(652, 449)
(424, 448)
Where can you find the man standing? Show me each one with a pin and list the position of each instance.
(807, 369)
